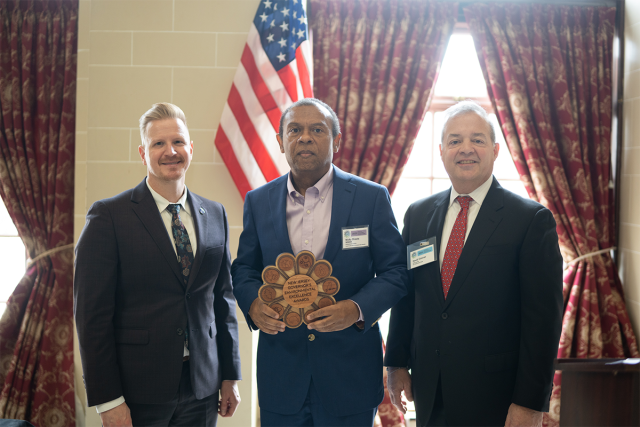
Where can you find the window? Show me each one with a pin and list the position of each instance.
(13, 257)
(460, 77)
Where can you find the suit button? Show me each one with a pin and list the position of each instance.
(188, 295)
(438, 352)
(444, 316)
(180, 331)
(312, 337)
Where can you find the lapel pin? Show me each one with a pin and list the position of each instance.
(201, 211)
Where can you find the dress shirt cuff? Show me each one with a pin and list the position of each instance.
(104, 407)
(361, 317)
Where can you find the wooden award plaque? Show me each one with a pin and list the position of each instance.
(298, 285)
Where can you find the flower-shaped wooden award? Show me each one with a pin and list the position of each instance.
(297, 286)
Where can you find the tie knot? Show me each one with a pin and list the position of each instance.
(464, 201)
(174, 209)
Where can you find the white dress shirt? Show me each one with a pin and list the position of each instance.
(187, 220)
(478, 195)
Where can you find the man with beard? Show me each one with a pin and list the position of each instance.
(154, 304)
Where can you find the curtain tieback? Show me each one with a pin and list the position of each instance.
(591, 254)
(49, 252)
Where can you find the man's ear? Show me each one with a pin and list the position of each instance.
(280, 142)
(141, 151)
(336, 142)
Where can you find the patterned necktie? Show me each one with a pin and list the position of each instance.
(455, 244)
(183, 244)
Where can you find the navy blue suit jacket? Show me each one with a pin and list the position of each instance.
(132, 308)
(346, 366)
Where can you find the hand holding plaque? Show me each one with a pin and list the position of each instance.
(297, 286)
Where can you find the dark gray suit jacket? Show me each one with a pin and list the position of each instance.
(132, 309)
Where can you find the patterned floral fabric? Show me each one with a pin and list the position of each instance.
(548, 73)
(37, 160)
(375, 63)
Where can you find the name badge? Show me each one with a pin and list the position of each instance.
(421, 253)
(355, 237)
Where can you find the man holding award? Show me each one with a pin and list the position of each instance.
(328, 370)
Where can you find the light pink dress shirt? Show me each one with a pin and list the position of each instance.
(309, 216)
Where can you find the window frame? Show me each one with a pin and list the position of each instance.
(26, 258)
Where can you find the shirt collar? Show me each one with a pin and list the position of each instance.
(323, 185)
(477, 195)
(162, 203)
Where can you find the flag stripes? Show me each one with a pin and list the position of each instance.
(274, 72)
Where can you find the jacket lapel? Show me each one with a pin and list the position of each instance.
(147, 211)
(434, 228)
(485, 224)
(200, 222)
(343, 193)
(278, 207)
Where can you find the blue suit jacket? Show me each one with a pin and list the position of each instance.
(346, 366)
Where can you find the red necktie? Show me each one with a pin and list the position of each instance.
(455, 244)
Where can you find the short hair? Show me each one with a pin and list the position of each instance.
(465, 107)
(335, 124)
(159, 111)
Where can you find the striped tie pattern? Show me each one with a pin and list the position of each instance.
(455, 244)
(183, 244)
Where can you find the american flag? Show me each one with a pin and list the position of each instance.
(275, 71)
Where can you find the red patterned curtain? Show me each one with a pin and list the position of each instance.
(548, 72)
(37, 154)
(375, 64)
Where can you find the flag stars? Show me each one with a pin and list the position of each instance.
(282, 34)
